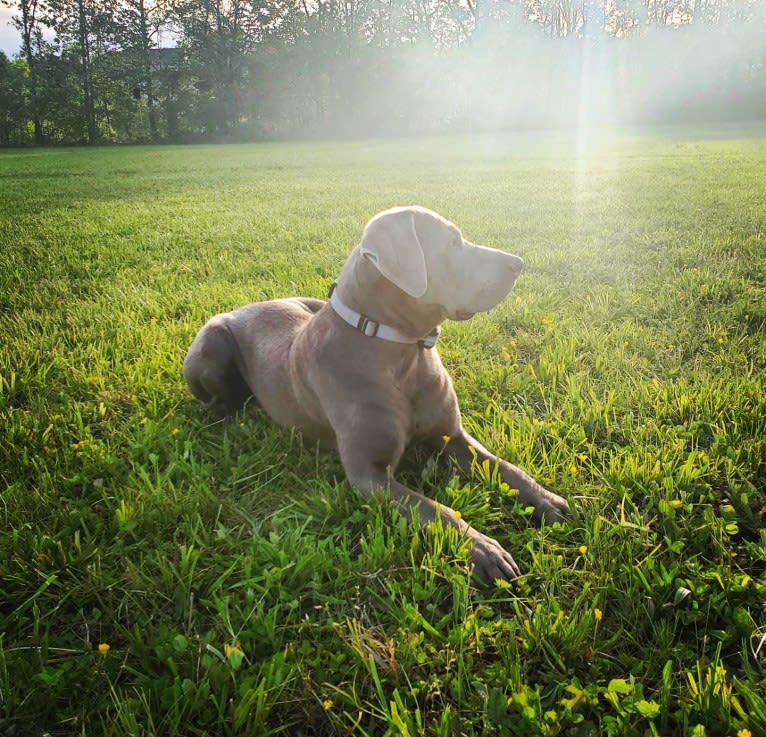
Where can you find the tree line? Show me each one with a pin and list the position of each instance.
(93, 71)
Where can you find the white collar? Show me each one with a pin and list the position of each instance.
(373, 329)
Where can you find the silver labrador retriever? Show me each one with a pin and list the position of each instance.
(359, 372)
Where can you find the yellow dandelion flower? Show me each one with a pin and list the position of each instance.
(446, 438)
(573, 469)
(597, 614)
(458, 515)
(328, 704)
(744, 733)
(583, 549)
(229, 649)
(582, 457)
(625, 344)
(104, 648)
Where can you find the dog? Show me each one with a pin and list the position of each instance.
(360, 372)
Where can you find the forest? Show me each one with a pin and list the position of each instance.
(141, 71)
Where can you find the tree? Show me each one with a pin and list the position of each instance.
(138, 26)
(13, 114)
(86, 27)
(28, 23)
(219, 35)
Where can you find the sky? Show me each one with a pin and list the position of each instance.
(9, 37)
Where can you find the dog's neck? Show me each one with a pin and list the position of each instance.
(364, 289)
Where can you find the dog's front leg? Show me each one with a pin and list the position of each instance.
(368, 462)
(549, 507)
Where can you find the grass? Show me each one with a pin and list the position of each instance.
(243, 589)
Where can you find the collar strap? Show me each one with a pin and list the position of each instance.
(373, 329)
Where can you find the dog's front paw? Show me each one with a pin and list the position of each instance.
(490, 560)
(550, 507)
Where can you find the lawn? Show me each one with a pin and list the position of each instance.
(163, 573)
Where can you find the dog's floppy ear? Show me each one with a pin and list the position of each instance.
(391, 242)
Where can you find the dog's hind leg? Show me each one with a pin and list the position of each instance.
(211, 369)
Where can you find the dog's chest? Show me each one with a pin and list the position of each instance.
(429, 398)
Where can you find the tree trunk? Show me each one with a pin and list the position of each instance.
(90, 114)
(146, 59)
(28, 28)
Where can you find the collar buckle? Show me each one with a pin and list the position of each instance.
(364, 323)
(430, 340)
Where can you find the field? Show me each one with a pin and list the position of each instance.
(163, 573)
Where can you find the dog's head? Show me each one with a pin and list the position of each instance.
(427, 257)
